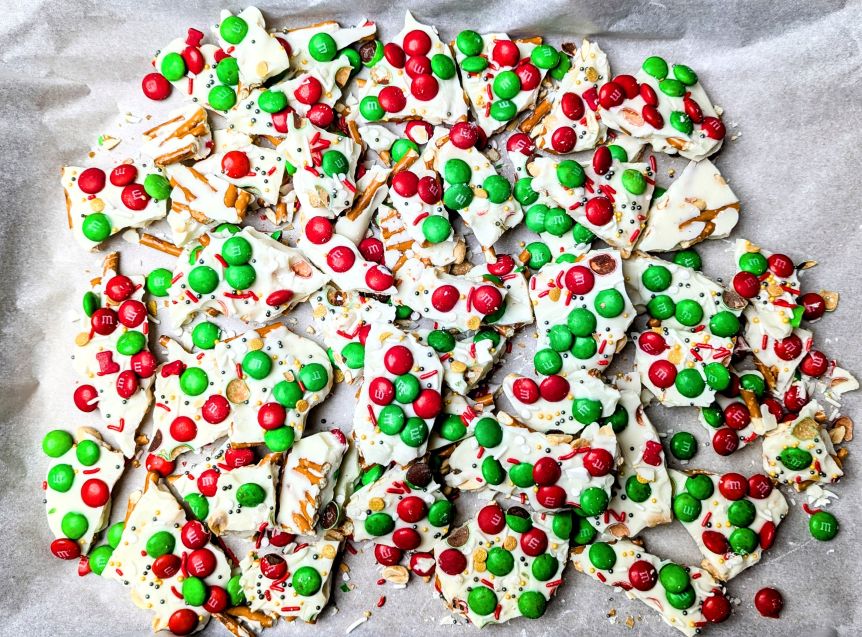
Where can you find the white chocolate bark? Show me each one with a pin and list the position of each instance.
(374, 445)
(589, 71)
(90, 481)
(763, 346)
(155, 511)
(281, 271)
(308, 480)
(689, 621)
(399, 246)
(714, 518)
(466, 410)
(384, 496)
(414, 211)
(465, 365)
(545, 415)
(259, 54)
(371, 191)
(698, 205)
(519, 309)
(781, 452)
(195, 86)
(762, 420)
(185, 135)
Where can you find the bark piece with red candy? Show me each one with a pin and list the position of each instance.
(800, 452)
(571, 123)
(196, 69)
(742, 411)
(246, 275)
(458, 419)
(509, 273)
(185, 135)
(344, 318)
(686, 597)
(697, 206)
(259, 54)
(665, 105)
(610, 195)
(399, 246)
(501, 77)
(467, 360)
(642, 492)
(289, 581)
(769, 281)
(582, 313)
(230, 491)
(309, 479)
(780, 357)
(548, 471)
(411, 77)
(112, 356)
(102, 202)
(169, 564)
(404, 508)
(399, 399)
(502, 565)
(81, 474)
(732, 518)
(567, 403)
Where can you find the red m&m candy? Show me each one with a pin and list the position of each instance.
(394, 54)
(166, 566)
(602, 160)
(194, 535)
(452, 562)
(572, 106)
(598, 462)
(716, 608)
(217, 599)
(725, 441)
(215, 409)
(318, 230)
(428, 404)
(208, 482)
(814, 364)
(733, 486)
(405, 183)
(273, 566)
(580, 280)
(629, 85)
(781, 265)
(611, 94)
(813, 304)
(235, 164)
(563, 139)
(127, 384)
(768, 602)
(341, 258)
(271, 416)
(321, 115)
(104, 321)
(132, 313)
(406, 539)
(662, 374)
(309, 91)
(134, 197)
(123, 175)
(201, 562)
(534, 542)
(788, 348)
(529, 76)
(487, 299)
(156, 86)
(554, 388)
(417, 42)
(551, 496)
(491, 519)
(387, 555)
(505, 53)
(643, 575)
(546, 471)
(91, 181)
(86, 398)
(652, 343)
(445, 297)
(392, 99)
(464, 135)
(746, 284)
(424, 88)
(526, 390)
(183, 621)
(599, 211)
(95, 493)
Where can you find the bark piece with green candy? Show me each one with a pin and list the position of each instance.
(737, 519)
(783, 354)
(468, 360)
(258, 52)
(501, 565)
(508, 271)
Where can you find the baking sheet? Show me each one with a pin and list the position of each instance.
(787, 75)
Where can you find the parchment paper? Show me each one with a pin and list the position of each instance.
(787, 75)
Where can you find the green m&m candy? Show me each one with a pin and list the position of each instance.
(440, 513)
(684, 74)
(194, 591)
(544, 567)
(199, 505)
(173, 67)
(634, 181)
(221, 97)
(661, 307)
(547, 362)
(682, 600)
(306, 581)
(587, 410)
(585, 532)
(656, 67)
(441, 341)
(391, 420)
(753, 262)
(271, 101)
(688, 312)
(521, 475)
(98, 558)
(194, 381)
(353, 57)
(205, 335)
(322, 47)
(560, 338)
(618, 153)
(609, 303)
(688, 259)
(500, 562)
(540, 255)
(415, 432)
(724, 324)
(602, 556)
(671, 87)
(457, 171)
(557, 222)
(61, 477)
(372, 474)
(753, 383)
(795, 458)
(160, 543)
(90, 303)
(379, 523)
(673, 578)
(375, 57)
(234, 590)
(689, 383)
(593, 501)
(236, 251)
(57, 442)
(442, 66)
(402, 312)
(74, 525)
(452, 428)
(637, 491)
(506, 85)
(524, 193)
(532, 604)
(157, 186)
(571, 174)
(545, 56)
(618, 420)
(458, 196)
(203, 279)
(535, 217)
(581, 322)
(683, 445)
(227, 71)
(563, 66)
(287, 393)
(334, 163)
(823, 526)
(436, 228)
(713, 415)
(581, 234)
(233, 29)
(401, 147)
(743, 541)
(562, 525)
(681, 122)
(115, 534)
(503, 110)
(250, 494)
(492, 471)
(158, 281)
(482, 600)
(488, 432)
(656, 278)
(469, 42)
(131, 342)
(279, 439)
(257, 364)
(686, 507)
(313, 376)
(474, 64)
(370, 108)
(741, 513)
(88, 452)
(699, 486)
(497, 188)
(96, 227)
(487, 335)
(407, 388)
(717, 376)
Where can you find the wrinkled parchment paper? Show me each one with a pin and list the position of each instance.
(787, 75)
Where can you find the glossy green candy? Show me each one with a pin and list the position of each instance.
(199, 505)
(545, 56)
(503, 110)
(823, 526)
(547, 362)
(618, 420)
(159, 281)
(57, 442)
(194, 591)
(233, 29)
(391, 420)
(370, 108)
(521, 475)
(372, 474)
(500, 562)
(688, 259)
(524, 193)
(683, 445)
(753, 262)
(234, 590)
(131, 342)
(474, 64)
(440, 513)
(593, 501)
(353, 57)
(458, 196)
(469, 42)
(257, 364)
(401, 147)
(287, 393)
(672, 88)
(602, 556)
(713, 416)
(656, 67)
(334, 163)
(571, 174)
(753, 383)
(221, 97)
(160, 543)
(566, 258)
(436, 228)
(306, 581)
(74, 525)
(173, 67)
(688, 312)
(99, 557)
(236, 251)
(203, 279)
(487, 335)
(280, 439)
(585, 533)
(637, 491)
(634, 181)
(535, 217)
(557, 222)
(681, 122)
(497, 188)
(250, 494)
(544, 567)
(684, 74)
(532, 604)
(322, 47)
(442, 66)
(586, 410)
(540, 255)
(618, 153)
(743, 541)
(271, 101)
(609, 303)
(717, 376)
(686, 507)
(402, 312)
(581, 322)
(560, 338)
(563, 66)
(407, 388)
(673, 578)
(194, 381)
(90, 303)
(441, 341)
(689, 383)
(482, 600)
(415, 432)
(313, 376)
(661, 307)
(88, 452)
(741, 513)
(699, 486)
(492, 471)
(656, 278)
(562, 525)
(205, 335)
(96, 227)
(457, 171)
(378, 524)
(682, 600)
(795, 458)
(488, 432)
(506, 85)
(227, 71)
(115, 534)
(724, 324)
(61, 477)
(581, 234)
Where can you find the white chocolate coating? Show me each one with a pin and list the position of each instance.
(468, 362)
(762, 420)
(519, 309)
(355, 223)
(763, 346)
(259, 54)
(399, 246)
(185, 135)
